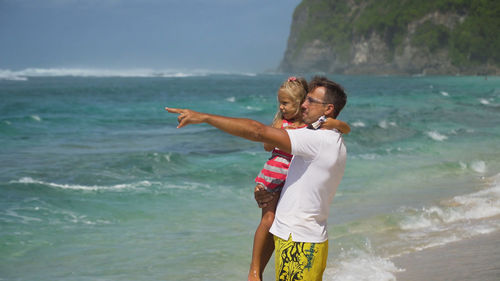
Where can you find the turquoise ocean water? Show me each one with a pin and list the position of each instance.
(97, 183)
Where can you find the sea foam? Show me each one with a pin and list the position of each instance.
(436, 136)
(359, 265)
(141, 185)
(11, 75)
(478, 166)
(475, 206)
(36, 118)
(458, 212)
(28, 180)
(484, 101)
(23, 75)
(455, 219)
(384, 124)
(359, 124)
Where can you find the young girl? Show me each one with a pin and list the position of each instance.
(272, 177)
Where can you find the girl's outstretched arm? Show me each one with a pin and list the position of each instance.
(331, 123)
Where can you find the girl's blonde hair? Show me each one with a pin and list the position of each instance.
(296, 89)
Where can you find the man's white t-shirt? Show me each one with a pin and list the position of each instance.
(313, 177)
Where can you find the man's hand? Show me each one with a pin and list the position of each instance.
(187, 116)
(263, 197)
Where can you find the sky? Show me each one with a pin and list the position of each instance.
(219, 35)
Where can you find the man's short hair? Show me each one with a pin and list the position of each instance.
(335, 93)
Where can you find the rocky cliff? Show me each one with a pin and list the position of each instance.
(395, 37)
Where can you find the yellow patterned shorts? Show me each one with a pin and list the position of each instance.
(300, 260)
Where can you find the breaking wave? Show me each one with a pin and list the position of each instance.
(23, 75)
(28, 180)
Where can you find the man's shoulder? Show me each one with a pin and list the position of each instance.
(315, 133)
(329, 133)
(331, 139)
(298, 131)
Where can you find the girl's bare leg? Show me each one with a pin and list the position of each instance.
(263, 243)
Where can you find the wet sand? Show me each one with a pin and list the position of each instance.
(474, 259)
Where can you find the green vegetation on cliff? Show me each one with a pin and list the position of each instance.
(473, 40)
(327, 21)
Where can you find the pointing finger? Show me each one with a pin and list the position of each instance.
(173, 110)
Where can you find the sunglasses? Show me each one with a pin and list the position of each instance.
(313, 100)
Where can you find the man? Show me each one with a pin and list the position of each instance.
(300, 225)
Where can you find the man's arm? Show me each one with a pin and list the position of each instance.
(276, 124)
(240, 127)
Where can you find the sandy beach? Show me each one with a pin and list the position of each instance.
(477, 258)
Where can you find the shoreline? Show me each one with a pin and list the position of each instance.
(476, 258)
